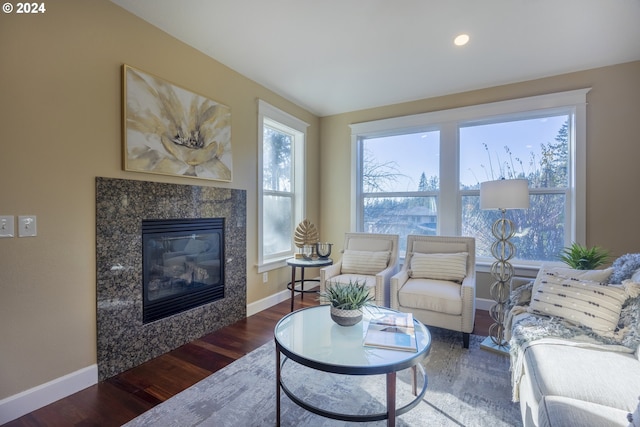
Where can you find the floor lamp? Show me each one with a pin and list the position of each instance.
(502, 195)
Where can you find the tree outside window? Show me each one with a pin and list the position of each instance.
(426, 179)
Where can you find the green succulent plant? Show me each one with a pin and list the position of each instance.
(351, 296)
(581, 257)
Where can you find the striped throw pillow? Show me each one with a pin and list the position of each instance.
(595, 305)
(440, 266)
(364, 262)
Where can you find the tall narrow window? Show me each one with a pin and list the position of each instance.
(281, 183)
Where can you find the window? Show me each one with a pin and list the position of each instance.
(421, 174)
(281, 184)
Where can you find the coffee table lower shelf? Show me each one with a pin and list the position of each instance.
(390, 415)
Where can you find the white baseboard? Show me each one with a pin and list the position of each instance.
(270, 301)
(27, 401)
(484, 304)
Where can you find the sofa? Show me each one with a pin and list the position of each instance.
(574, 340)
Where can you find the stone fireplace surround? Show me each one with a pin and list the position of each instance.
(123, 340)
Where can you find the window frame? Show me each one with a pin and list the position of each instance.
(273, 117)
(448, 123)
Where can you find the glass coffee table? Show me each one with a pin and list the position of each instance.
(310, 338)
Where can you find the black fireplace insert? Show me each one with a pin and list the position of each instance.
(182, 265)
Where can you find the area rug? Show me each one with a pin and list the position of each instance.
(466, 387)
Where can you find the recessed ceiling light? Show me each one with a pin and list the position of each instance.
(461, 40)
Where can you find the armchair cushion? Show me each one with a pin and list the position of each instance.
(441, 296)
(439, 266)
(364, 262)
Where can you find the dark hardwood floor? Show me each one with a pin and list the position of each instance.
(125, 396)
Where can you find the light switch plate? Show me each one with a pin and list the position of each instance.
(27, 226)
(7, 226)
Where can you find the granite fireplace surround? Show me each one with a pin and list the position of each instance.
(123, 340)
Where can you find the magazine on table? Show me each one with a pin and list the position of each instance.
(392, 331)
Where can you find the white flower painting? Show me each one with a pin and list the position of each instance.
(172, 131)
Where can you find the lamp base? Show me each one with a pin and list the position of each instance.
(489, 345)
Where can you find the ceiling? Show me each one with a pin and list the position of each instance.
(335, 56)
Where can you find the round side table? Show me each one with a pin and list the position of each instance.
(303, 263)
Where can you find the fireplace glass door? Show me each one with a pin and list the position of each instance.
(182, 265)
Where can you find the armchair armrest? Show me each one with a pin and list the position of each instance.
(326, 273)
(397, 282)
(383, 285)
(468, 292)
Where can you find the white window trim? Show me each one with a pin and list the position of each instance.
(448, 120)
(266, 113)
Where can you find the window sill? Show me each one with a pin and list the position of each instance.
(272, 265)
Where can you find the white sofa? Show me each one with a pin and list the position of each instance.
(567, 374)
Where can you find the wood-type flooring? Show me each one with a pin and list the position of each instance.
(123, 397)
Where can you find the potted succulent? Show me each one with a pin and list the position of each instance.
(580, 257)
(347, 301)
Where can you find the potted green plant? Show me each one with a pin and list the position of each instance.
(347, 301)
(580, 257)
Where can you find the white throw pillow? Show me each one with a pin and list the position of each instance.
(593, 275)
(364, 262)
(595, 305)
(440, 266)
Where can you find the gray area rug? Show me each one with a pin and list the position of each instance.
(465, 388)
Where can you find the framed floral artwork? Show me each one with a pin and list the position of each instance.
(170, 130)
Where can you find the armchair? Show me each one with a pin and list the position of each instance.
(368, 257)
(437, 282)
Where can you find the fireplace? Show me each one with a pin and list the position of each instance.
(182, 265)
(124, 339)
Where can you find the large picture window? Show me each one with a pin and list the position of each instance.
(421, 174)
(281, 184)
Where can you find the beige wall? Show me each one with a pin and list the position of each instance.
(613, 150)
(60, 107)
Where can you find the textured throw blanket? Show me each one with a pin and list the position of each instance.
(527, 329)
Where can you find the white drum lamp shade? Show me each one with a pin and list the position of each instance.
(504, 194)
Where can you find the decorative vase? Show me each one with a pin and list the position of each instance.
(307, 252)
(345, 317)
(323, 250)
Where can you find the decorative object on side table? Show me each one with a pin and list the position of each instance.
(347, 301)
(323, 250)
(580, 257)
(305, 238)
(502, 195)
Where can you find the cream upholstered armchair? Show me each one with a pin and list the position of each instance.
(368, 257)
(437, 282)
